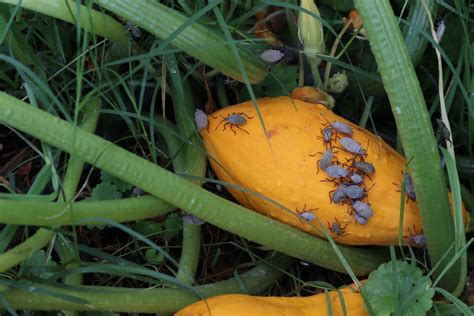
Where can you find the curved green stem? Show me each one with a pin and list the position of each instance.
(50, 214)
(164, 300)
(189, 260)
(416, 133)
(194, 164)
(182, 193)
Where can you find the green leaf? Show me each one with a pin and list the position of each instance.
(173, 226)
(147, 228)
(400, 288)
(105, 191)
(154, 257)
(121, 185)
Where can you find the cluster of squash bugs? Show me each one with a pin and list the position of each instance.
(234, 120)
(348, 177)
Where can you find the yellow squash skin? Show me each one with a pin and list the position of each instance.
(282, 167)
(244, 305)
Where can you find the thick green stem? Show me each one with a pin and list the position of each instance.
(194, 164)
(182, 193)
(50, 214)
(416, 133)
(189, 260)
(164, 300)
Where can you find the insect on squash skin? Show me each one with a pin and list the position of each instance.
(409, 188)
(362, 212)
(336, 171)
(365, 167)
(281, 169)
(306, 214)
(339, 126)
(325, 161)
(356, 178)
(352, 146)
(234, 119)
(338, 195)
(337, 228)
(326, 138)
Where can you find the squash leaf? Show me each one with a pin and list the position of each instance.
(397, 288)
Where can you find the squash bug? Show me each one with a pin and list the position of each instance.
(306, 214)
(327, 135)
(234, 119)
(352, 146)
(409, 188)
(443, 131)
(338, 195)
(325, 161)
(417, 239)
(363, 212)
(271, 55)
(337, 228)
(201, 119)
(355, 192)
(339, 126)
(133, 29)
(336, 171)
(365, 167)
(356, 178)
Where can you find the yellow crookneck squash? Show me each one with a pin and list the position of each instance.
(283, 167)
(245, 305)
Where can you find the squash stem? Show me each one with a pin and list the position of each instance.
(161, 300)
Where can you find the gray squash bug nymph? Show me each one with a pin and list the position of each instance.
(327, 135)
(200, 118)
(234, 120)
(415, 238)
(338, 195)
(271, 55)
(336, 171)
(325, 161)
(133, 29)
(306, 214)
(354, 192)
(352, 146)
(365, 167)
(363, 212)
(337, 228)
(339, 126)
(356, 178)
(409, 188)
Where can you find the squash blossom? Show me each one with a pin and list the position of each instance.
(310, 31)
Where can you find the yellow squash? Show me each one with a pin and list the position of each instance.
(316, 305)
(281, 166)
